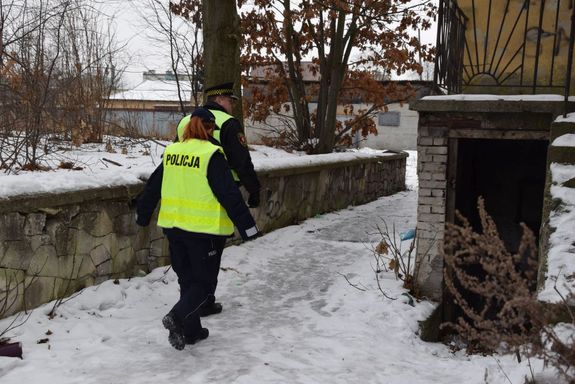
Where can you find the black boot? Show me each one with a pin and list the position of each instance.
(176, 336)
(210, 309)
(201, 335)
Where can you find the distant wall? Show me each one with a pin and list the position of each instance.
(398, 133)
(52, 245)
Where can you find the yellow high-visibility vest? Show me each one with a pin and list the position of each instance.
(221, 118)
(187, 200)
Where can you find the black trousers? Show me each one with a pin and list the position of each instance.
(196, 261)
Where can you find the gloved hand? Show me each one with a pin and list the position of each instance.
(259, 234)
(254, 200)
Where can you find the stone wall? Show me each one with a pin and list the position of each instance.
(52, 245)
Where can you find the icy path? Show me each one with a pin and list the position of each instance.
(289, 317)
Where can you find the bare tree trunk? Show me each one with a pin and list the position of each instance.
(221, 25)
(295, 84)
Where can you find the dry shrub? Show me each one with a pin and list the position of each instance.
(495, 292)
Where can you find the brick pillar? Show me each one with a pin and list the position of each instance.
(432, 152)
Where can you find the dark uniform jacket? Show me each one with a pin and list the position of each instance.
(233, 142)
(223, 186)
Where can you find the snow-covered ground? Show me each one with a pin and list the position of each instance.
(289, 316)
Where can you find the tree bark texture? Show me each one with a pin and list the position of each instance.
(221, 25)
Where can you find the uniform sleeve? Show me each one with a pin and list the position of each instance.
(226, 191)
(238, 155)
(150, 196)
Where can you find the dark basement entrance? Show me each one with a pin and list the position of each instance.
(510, 175)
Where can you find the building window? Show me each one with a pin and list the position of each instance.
(388, 118)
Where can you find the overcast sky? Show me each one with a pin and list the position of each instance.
(142, 52)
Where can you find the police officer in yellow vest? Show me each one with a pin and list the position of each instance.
(200, 203)
(229, 133)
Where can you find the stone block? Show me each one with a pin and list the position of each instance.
(97, 224)
(80, 242)
(425, 158)
(100, 255)
(58, 233)
(69, 266)
(435, 151)
(433, 168)
(17, 255)
(110, 242)
(431, 201)
(103, 225)
(142, 235)
(423, 209)
(432, 217)
(422, 140)
(87, 267)
(68, 214)
(124, 261)
(424, 192)
(35, 223)
(562, 155)
(433, 184)
(44, 262)
(12, 226)
(560, 129)
(64, 288)
(142, 256)
(438, 209)
(440, 141)
(439, 176)
(125, 224)
(11, 289)
(423, 176)
(439, 130)
(37, 241)
(157, 248)
(442, 159)
(104, 270)
(39, 290)
(426, 230)
(438, 192)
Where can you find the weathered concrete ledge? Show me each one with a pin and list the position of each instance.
(493, 104)
(52, 245)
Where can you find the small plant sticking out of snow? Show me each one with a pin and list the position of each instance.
(390, 254)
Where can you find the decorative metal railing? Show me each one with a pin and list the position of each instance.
(505, 46)
(450, 46)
